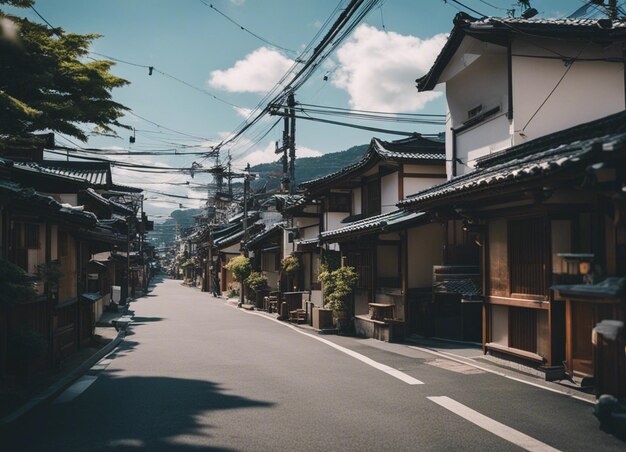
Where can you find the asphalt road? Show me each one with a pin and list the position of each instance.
(198, 374)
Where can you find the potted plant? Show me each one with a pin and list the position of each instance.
(290, 267)
(241, 267)
(338, 285)
(257, 283)
(50, 274)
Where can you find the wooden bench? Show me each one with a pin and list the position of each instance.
(297, 315)
(271, 303)
(382, 311)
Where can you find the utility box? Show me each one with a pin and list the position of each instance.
(116, 294)
(608, 358)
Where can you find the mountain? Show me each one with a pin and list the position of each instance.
(179, 220)
(307, 168)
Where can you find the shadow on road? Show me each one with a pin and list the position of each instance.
(132, 413)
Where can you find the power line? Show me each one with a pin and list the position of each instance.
(245, 29)
(152, 69)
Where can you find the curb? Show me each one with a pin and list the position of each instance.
(57, 388)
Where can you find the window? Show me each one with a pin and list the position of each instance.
(371, 198)
(31, 238)
(527, 249)
(339, 202)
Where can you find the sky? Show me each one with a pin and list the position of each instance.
(209, 74)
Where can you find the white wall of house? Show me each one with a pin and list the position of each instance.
(424, 249)
(389, 192)
(332, 220)
(356, 201)
(478, 75)
(590, 90)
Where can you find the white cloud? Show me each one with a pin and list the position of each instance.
(243, 112)
(238, 2)
(258, 72)
(378, 69)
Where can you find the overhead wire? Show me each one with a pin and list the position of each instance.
(241, 27)
(165, 74)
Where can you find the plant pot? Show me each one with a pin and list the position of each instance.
(322, 318)
(342, 321)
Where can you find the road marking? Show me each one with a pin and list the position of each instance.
(507, 433)
(502, 374)
(76, 389)
(364, 359)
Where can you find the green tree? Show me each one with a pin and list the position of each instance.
(48, 82)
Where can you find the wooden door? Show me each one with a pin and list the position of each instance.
(582, 319)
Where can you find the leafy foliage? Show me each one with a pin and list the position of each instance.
(337, 286)
(257, 281)
(15, 285)
(26, 344)
(241, 267)
(47, 81)
(290, 265)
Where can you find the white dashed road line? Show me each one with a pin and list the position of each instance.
(507, 433)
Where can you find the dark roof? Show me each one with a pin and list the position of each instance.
(528, 166)
(379, 223)
(236, 237)
(259, 238)
(615, 123)
(500, 29)
(96, 174)
(413, 149)
(29, 199)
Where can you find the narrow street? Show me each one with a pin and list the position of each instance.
(195, 373)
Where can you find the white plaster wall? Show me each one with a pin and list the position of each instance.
(69, 198)
(425, 249)
(288, 248)
(332, 220)
(424, 169)
(590, 90)
(414, 185)
(500, 325)
(356, 201)
(310, 233)
(389, 192)
(491, 135)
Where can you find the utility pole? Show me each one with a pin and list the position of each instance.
(246, 189)
(285, 148)
(291, 103)
(612, 9)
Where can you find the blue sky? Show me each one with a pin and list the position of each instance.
(375, 70)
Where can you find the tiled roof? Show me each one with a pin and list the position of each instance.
(499, 29)
(416, 148)
(27, 198)
(236, 237)
(373, 224)
(93, 173)
(615, 123)
(528, 167)
(258, 238)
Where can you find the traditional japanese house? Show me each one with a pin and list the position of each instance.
(43, 237)
(227, 244)
(533, 162)
(360, 218)
(537, 209)
(300, 238)
(265, 249)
